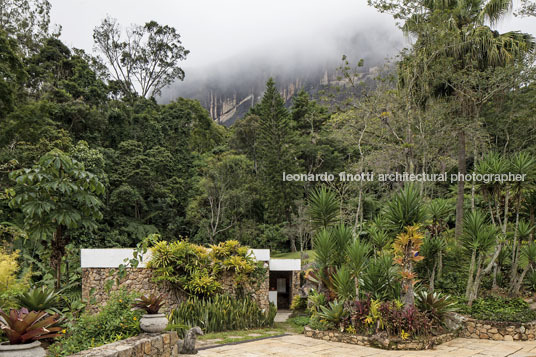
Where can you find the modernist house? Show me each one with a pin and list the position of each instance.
(100, 265)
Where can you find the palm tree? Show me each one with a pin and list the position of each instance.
(456, 37)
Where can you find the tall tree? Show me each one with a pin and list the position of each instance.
(453, 37)
(56, 195)
(275, 154)
(146, 61)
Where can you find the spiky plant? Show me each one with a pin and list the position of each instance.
(39, 299)
(151, 304)
(405, 209)
(344, 284)
(22, 326)
(435, 305)
(323, 208)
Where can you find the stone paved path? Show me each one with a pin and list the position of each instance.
(299, 345)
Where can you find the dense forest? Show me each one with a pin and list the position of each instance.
(89, 158)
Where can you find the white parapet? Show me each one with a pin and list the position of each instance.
(261, 255)
(114, 257)
(108, 258)
(285, 264)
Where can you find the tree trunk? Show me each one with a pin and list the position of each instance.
(432, 278)
(515, 251)
(473, 294)
(471, 273)
(57, 254)
(461, 183)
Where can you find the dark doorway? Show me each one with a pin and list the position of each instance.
(280, 281)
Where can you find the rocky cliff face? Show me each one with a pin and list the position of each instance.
(229, 88)
(228, 103)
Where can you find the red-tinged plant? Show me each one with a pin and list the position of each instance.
(151, 304)
(22, 326)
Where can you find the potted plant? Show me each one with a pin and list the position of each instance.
(24, 329)
(152, 321)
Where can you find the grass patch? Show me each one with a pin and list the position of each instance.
(296, 255)
(242, 335)
(225, 337)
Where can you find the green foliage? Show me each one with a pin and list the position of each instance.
(151, 304)
(315, 300)
(56, 195)
(405, 209)
(344, 284)
(333, 313)
(298, 303)
(381, 279)
(434, 305)
(146, 61)
(323, 208)
(10, 285)
(116, 321)
(197, 270)
(499, 309)
(23, 326)
(40, 299)
(221, 313)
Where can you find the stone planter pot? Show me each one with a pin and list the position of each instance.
(33, 349)
(153, 323)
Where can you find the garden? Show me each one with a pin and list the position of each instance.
(93, 156)
(405, 277)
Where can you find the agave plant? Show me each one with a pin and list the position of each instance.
(22, 326)
(435, 305)
(333, 313)
(39, 299)
(151, 304)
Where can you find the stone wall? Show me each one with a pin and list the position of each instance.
(498, 331)
(295, 284)
(139, 280)
(381, 342)
(144, 345)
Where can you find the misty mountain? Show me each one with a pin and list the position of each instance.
(229, 88)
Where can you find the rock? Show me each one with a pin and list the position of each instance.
(508, 338)
(522, 329)
(493, 330)
(187, 347)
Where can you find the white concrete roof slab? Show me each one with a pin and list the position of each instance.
(285, 264)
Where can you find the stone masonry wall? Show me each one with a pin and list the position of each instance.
(295, 287)
(144, 345)
(498, 331)
(385, 343)
(139, 280)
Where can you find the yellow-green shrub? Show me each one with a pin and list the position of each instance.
(10, 285)
(197, 270)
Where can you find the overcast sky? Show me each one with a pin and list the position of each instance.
(215, 30)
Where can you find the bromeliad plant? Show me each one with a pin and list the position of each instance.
(40, 299)
(151, 304)
(22, 326)
(406, 248)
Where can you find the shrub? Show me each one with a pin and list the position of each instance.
(39, 299)
(435, 305)
(333, 313)
(197, 270)
(499, 309)
(298, 303)
(116, 321)
(221, 313)
(10, 286)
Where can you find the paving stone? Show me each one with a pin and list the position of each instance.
(299, 345)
